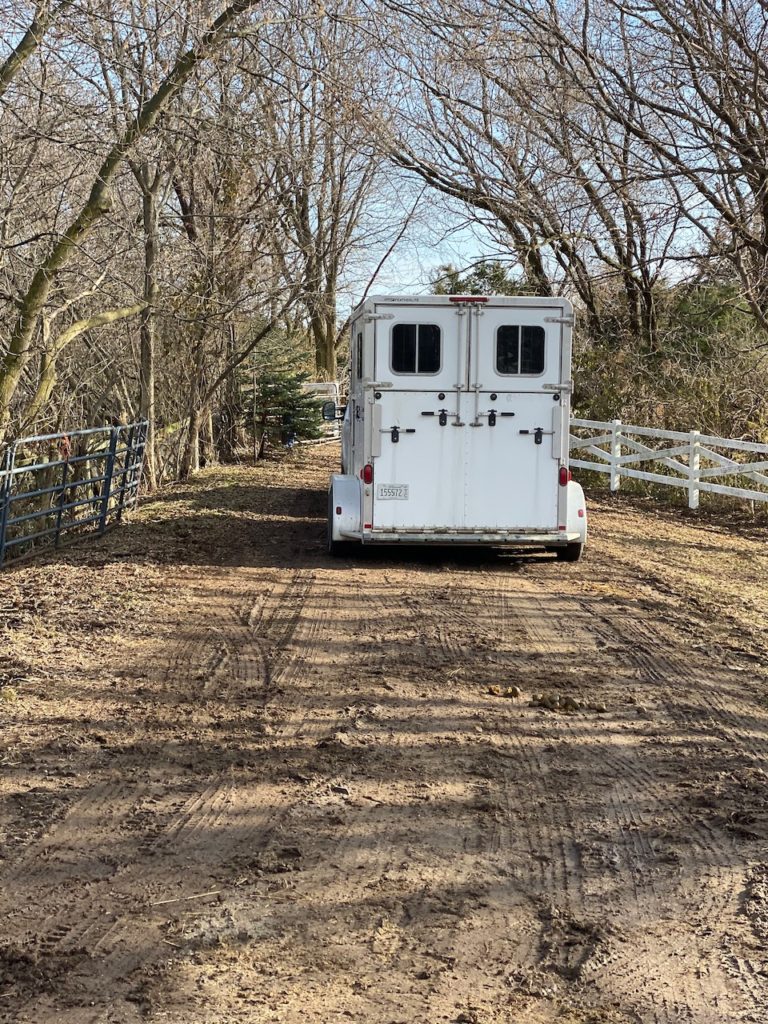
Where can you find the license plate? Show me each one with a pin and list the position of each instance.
(389, 491)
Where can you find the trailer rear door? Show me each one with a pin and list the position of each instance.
(421, 354)
(513, 434)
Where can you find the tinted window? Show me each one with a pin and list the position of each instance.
(415, 348)
(519, 350)
(508, 349)
(532, 350)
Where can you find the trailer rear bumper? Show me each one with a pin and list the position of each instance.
(499, 538)
(346, 524)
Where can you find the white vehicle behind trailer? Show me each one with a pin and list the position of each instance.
(456, 429)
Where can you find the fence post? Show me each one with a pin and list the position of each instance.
(5, 498)
(615, 454)
(62, 502)
(108, 473)
(694, 465)
(138, 466)
(125, 473)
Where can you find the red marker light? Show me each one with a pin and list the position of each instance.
(565, 476)
(367, 474)
(467, 298)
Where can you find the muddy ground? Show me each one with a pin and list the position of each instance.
(242, 781)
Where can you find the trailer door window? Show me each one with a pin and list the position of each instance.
(415, 348)
(520, 350)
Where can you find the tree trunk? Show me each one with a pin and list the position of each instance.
(230, 410)
(190, 462)
(197, 407)
(323, 328)
(147, 358)
(208, 448)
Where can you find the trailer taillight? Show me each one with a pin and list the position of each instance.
(565, 475)
(467, 298)
(367, 474)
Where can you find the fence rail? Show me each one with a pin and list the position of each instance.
(693, 461)
(53, 484)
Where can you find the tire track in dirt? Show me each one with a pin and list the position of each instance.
(650, 651)
(705, 883)
(374, 840)
(236, 644)
(519, 831)
(732, 623)
(385, 838)
(281, 639)
(318, 825)
(714, 869)
(569, 932)
(639, 859)
(459, 625)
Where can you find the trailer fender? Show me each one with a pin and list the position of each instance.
(577, 511)
(344, 508)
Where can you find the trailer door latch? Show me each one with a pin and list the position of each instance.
(442, 415)
(538, 434)
(491, 417)
(395, 432)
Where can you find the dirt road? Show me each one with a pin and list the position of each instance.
(244, 782)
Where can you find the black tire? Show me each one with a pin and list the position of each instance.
(340, 548)
(569, 553)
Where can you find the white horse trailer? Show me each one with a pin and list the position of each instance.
(456, 428)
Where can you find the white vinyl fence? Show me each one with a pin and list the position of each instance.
(693, 461)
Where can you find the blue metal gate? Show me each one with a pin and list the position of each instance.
(68, 482)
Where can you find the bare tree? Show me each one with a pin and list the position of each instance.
(32, 302)
(485, 120)
(326, 171)
(687, 81)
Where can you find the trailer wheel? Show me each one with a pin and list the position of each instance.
(569, 553)
(340, 548)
